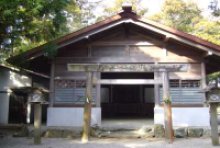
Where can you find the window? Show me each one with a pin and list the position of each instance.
(174, 83)
(72, 91)
(185, 92)
(185, 83)
(190, 83)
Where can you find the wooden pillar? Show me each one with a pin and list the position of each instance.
(111, 94)
(98, 90)
(214, 123)
(28, 114)
(156, 89)
(87, 108)
(52, 73)
(167, 108)
(203, 82)
(203, 75)
(37, 123)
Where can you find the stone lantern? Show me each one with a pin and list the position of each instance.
(213, 95)
(37, 97)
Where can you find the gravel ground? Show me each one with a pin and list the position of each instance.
(10, 142)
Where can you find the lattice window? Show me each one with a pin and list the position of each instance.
(185, 83)
(65, 84)
(72, 91)
(80, 83)
(190, 83)
(185, 91)
(174, 83)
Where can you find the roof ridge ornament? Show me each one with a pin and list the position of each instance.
(127, 7)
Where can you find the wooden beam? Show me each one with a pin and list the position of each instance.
(203, 80)
(98, 89)
(156, 89)
(167, 108)
(126, 67)
(123, 43)
(52, 74)
(111, 94)
(116, 60)
(87, 108)
(129, 81)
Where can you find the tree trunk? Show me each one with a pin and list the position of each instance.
(87, 108)
(167, 108)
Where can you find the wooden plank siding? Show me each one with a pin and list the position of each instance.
(133, 47)
(185, 96)
(72, 95)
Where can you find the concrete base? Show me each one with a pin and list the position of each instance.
(73, 117)
(185, 116)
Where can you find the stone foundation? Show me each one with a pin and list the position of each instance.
(157, 131)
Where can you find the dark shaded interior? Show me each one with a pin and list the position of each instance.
(127, 101)
(18, 108)
(127, 75)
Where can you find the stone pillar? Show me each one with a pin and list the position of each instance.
(214, 123)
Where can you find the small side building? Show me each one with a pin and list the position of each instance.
(13, 103)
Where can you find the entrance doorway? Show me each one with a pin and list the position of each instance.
(127, 101)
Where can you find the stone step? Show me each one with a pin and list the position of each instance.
(144, 132)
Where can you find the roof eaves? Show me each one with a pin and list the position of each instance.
(181, 34)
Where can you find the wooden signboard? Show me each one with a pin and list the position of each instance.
(126, 67)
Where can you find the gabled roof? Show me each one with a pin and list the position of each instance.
(126, 16)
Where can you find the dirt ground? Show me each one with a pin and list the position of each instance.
(11, 142)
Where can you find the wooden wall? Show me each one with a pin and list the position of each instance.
(132, 48)
(127, 45)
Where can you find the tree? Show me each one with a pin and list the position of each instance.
(187, 17)
(178, 14)
(117, 6)
(82, 15)
(25, 24)
(215, 7)
(208, 30)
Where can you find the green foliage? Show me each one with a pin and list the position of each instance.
(167, 100)
(82, 14)
(117, 7)
(208, 30)
(213, 76)
(32, 22)
(187, 17)
(179, 14)
(50, 50)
